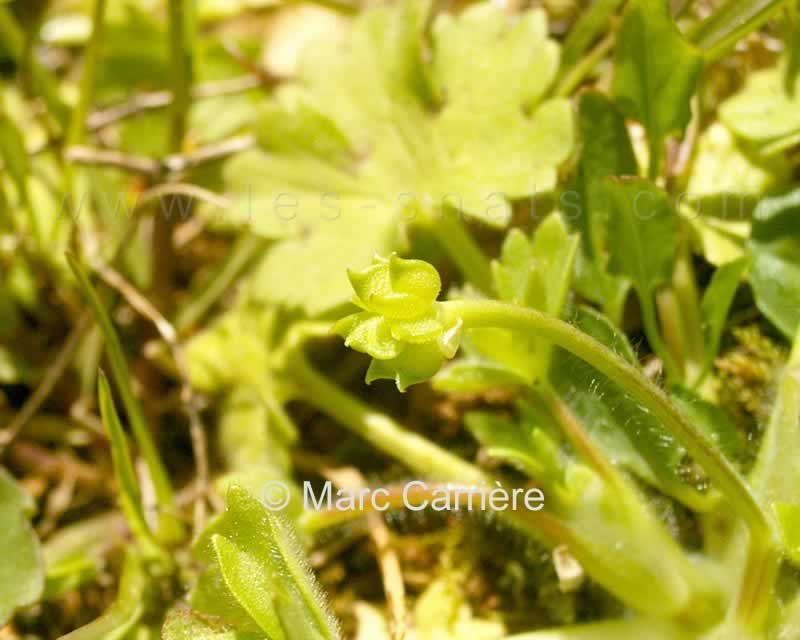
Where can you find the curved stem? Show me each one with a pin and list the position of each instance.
(573, 79)
(478, 314)
(622, 573)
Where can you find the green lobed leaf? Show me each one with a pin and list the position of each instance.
(379, 132)
(729, 177)
(535, 272)
(234, 352)
(775, 252)
(22, 569)
(520, 442)
(655, 71)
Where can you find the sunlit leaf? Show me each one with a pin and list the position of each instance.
(764, 111)
(182, 624)
(264, 568)
(360, 149)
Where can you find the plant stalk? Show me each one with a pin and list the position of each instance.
(181, 61)
(484, 314)
(431, 461)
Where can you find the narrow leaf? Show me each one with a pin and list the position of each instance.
(731, 22)
(133, 409)
(717, 301)
(130, 497)
(126, 610)
(592, 24)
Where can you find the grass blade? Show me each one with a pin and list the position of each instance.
(169, 528)
(130, 497)
(127, 609)
(730, 23)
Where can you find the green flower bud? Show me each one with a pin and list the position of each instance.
(401, 326)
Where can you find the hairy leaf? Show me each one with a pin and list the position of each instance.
(182, 624)
(627, 433)
(714, 421)
(264, 568)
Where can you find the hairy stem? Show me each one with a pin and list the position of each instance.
(623, 573)
(480, 314)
